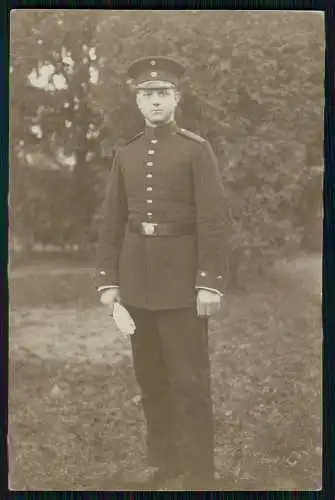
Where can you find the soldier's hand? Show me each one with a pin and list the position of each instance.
(207, 302)
(110, 296)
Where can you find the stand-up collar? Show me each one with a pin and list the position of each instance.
(161, 130)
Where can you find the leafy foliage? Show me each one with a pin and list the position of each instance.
(254, 89)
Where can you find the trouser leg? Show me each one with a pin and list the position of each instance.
(151, 375)
(185, 345)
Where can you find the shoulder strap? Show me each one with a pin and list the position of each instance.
(133, 139)
(190, 135)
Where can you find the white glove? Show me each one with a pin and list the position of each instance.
(124, 322)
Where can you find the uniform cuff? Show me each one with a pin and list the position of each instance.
(106, 287)
(209, 280)
(105, 278)
(209, 289)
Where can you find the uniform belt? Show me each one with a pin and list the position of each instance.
(161, 229)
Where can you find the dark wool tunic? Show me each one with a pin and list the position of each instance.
(165, 175)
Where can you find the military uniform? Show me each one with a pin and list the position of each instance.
(164, 234)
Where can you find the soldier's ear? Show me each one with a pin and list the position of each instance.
(178, 96)
(138, 97)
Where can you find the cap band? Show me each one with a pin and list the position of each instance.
(153, 85)
(156, 76)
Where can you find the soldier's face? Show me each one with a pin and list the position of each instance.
(158, 105)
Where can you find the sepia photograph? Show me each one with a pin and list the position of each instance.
(165, 250)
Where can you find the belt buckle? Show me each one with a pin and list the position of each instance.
(148, 228)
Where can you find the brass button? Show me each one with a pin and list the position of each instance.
(149, 214)
(219, 277)
(149, 176)
(102, 273)
(153, 74)
(152, 63)
(203, 274)
(149, 163)
(149, 201)
(149, 188)
(151, 152)
(154, 141)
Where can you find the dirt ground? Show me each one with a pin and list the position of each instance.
(74, 409)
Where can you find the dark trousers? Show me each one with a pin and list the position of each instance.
(171, 363)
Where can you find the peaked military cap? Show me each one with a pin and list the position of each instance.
(155, 69)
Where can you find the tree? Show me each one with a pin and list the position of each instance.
(57, 81)
(253, 88)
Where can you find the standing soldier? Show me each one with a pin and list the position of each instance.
(162, 253)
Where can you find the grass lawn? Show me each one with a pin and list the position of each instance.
(74, 411)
